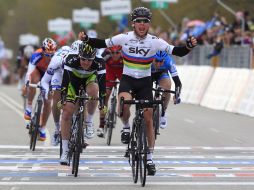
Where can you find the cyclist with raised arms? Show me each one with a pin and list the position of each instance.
(81, 68)
(114, 70)
(162, 65)
(52, 79)
(37, 67)
(138, 49)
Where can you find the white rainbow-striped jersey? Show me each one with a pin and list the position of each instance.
(138, 52)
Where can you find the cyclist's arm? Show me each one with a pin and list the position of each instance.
(101, 77)
(191, 42)
(45, 81)
(32, 65)
(103, 43)
(30, 69)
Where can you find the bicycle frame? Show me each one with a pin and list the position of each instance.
(76, 142)
(138, 146)
(111, 115)
(35, 121)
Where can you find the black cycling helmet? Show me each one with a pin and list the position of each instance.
(141, 12)
(86, 51)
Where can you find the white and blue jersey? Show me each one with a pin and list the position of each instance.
(54, 74)
(164, 70)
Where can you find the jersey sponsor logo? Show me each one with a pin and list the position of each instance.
(138, 50)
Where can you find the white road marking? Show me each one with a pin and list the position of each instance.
(15, 188)
(25, 179)
(238, 140)
(20, 113)
(12, 101)
(113, 148)
(12, 104)
(153, 183)
(214, 130)
(189, 121)
(41, 157)
(6, 178)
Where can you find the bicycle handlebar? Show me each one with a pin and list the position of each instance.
(163, 90)
(34, 85)
(143, 103)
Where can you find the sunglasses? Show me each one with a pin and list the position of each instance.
(157, 60)
(144, 20)
(84, 59)
(116, 52)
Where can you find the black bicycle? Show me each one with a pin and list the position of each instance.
(111, 114)
(35, 120)
(138, 147)
(158, 91)
(76, 142)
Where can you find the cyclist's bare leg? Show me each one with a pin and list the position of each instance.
(55, 111)
(165, 83)
(68, 110)
(92, 89)
(108, 92)
(148, 115)
(126, 108)
(35, 77)
(102, 113)
(45, 112)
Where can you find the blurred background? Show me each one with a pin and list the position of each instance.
(224, 29)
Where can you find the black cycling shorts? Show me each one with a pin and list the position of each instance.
(140, 88)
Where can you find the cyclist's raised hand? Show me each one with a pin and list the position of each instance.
(83, 36)
(191, 42)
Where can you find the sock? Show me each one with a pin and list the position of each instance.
(65, 145)
(29, 107)
(126, 125)
(89, 118)
(57, 126)
(42, 129)
(150, 154)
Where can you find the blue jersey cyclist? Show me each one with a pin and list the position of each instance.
(162, 65)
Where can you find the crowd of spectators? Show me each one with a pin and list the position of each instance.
(239, 32)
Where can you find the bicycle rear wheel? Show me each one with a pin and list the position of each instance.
(142, 149)
(156, 121)
(111, 121)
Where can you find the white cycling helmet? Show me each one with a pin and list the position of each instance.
(28, 51)
(75, 45)
(49, 45)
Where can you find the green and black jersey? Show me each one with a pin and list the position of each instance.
(75, 75)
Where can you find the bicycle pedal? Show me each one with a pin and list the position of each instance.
(127, 154)
(84, 145)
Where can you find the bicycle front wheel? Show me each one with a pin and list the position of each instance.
(134, 159)
(35, 126)
(77, 147)
(142, 149)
